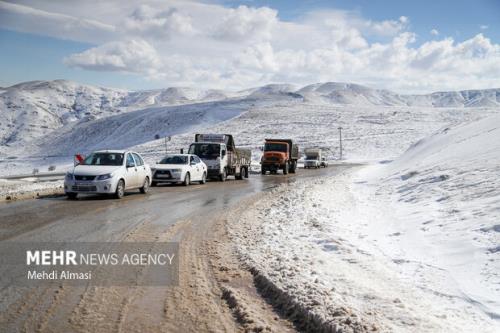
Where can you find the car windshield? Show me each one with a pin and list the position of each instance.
(176, 159)
(205, 150)
(275, 147)
(104, 159)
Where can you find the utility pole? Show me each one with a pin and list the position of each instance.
(167, 139)
(340, 140)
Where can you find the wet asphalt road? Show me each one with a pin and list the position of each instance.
(94, 218)
(170, 213)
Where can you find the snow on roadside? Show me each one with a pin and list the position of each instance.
(445, 196)
(406, 246)
(28, 188)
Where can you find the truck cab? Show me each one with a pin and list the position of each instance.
(213, 154)
(221, 156)
(279, 155)
(313, 158)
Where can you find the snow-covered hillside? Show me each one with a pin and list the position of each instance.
(346, 93)
(43, 123)
(369, 132)
(407, 246)
(136, 127)
(445, 195)
(34, 109)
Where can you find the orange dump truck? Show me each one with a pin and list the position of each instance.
(279, 154)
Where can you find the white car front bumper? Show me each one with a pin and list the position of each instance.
(107, 186)
(167, 176)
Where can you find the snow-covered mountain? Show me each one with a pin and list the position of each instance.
(34, 109)
(33, 112)
(348, 93)
(135, 127)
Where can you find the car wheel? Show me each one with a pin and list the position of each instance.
(71, 195)
(145, 187)
(204, 178)
(120, 189)
(187, 180)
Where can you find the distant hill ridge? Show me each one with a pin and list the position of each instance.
(31, 110)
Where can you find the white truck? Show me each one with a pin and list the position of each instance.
(221, 156)
(313, 158)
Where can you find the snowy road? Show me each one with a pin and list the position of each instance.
(169, 213)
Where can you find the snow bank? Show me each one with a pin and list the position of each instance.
(407, 246)
(445, 192)
(28, 188)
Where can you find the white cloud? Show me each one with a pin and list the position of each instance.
(200, 44)
(135, 56)
(152, 23)
(244, 23)
(389, 27)
(483, 27)
(32, 20)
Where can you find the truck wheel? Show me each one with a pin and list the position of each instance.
(263, 171)
(120, 189)
(285, 169)
(223, 176)
(246, 173)
(145, 187)
(294, 167)
(187, 180)
(240, 175)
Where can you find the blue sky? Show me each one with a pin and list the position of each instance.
(460, 18)
(406, 46)
(28, 57)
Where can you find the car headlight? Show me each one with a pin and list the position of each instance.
(104, 177)
(69, 176)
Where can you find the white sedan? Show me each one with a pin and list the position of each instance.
(108, 172)
(180, 168)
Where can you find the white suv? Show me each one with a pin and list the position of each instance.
(108, 172)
